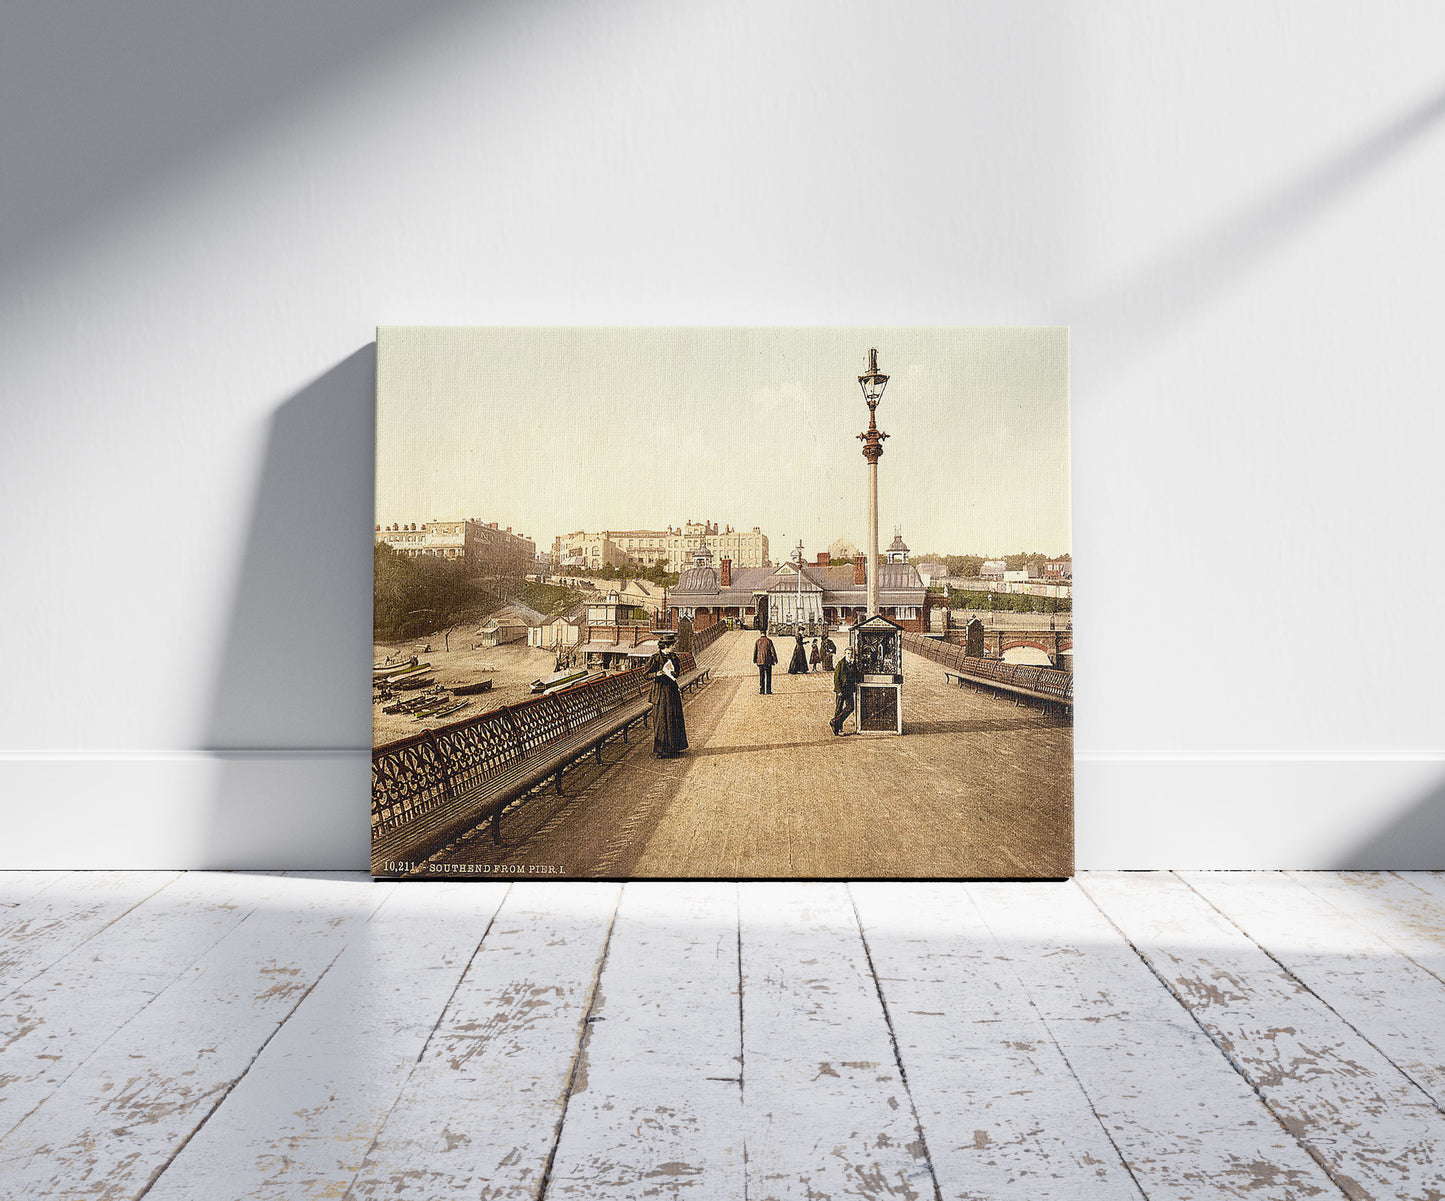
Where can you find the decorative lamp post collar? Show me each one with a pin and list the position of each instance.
(872, 382)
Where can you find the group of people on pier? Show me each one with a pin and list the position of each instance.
(846, 675)
(765, 655)
(669, 730)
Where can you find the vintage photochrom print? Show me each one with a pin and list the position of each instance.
(722, 603)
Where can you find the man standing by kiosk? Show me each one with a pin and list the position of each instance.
(845, 686)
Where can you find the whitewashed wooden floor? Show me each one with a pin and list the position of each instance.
(1190, 1035)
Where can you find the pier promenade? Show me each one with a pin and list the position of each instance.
(976, 786)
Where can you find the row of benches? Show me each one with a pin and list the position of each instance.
(433, 787)
(1046, 684)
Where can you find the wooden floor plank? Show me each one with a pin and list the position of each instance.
(1392, 1002)
(1432, 884)
(656, 1107)
(125, 1113)
(1186, 1124)
(1404, 909)
(1002, 1115)
(211, 1040)
(300, 1123)
(827, 1113)
(52, 1024)
(480, 1113)
(46, 926)
(1375, 1131)
(16, 887)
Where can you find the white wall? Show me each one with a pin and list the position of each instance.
(206, 208)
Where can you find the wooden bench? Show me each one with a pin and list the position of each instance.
(1048, 685)
(433, 787)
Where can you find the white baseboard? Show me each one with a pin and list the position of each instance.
(185, 809)
(308, 809)
(1303, 810)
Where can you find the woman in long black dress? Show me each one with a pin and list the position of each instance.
(669, 732)
(798, 665)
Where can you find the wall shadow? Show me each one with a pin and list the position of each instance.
(290, 714)
(116, 97)
(1148, 304)
(1414, 842)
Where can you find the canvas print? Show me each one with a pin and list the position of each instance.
(722, 603)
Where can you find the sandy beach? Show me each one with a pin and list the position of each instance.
(511, 668)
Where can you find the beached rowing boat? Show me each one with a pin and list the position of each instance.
(430, 699)
(401, 673)
(472, 689)
(433, 714)
(560, 679)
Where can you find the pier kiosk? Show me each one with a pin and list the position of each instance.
(878, 649)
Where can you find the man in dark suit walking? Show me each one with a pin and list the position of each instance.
(846, 677)
(765, 655)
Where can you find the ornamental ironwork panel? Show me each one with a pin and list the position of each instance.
(478, 749)
(580, 705)
(536, 723)
(610, 691)
(407, 778)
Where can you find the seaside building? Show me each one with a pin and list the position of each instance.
(555, 632)
(587, 552)
(675, 545)
(488, 548)
(798, 593)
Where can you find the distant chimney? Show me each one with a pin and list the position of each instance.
(860, 572)
(727, 572)
(824, 558)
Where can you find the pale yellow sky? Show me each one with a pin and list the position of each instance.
(551, 430)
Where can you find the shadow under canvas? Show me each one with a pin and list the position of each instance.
(290, 719)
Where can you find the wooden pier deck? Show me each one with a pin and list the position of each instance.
(1192, 1035)
(976, 787)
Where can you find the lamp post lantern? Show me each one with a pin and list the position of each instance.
(872, 382)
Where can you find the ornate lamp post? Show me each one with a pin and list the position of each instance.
(872, 382)
(877, 640)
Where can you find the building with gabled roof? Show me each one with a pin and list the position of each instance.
(554, 632)
(796, 593)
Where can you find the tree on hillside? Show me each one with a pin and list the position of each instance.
(416, 595)
(966, 566)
